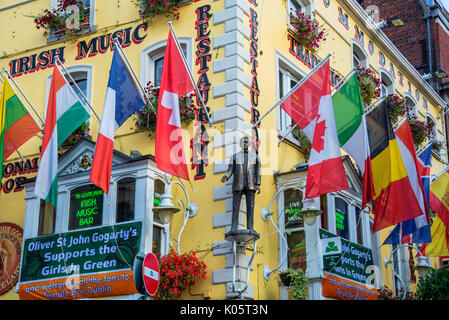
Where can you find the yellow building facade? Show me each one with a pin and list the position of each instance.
(244, 58)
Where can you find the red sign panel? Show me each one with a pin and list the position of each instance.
(151, 274)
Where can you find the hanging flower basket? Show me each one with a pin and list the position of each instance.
(55, 20)
(420, 130)
(397, 107)
(177, 273)
(146, 119)
(369, 85)
(150, 8)
(437, 145)
(304, 143)
(306, 29)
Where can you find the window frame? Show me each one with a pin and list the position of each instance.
(75, 70)
(390, 88)
(285, 66)
(54, 4)
(155, 51)
(307, 7)
(356, 48)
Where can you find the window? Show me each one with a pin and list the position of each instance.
(359, 57)
(47, 218)
(412, 106)
(89, 5)
(152, 59)
(126, 193)
(294, 227)
(158, 227)
(341, 218)
(386, 84)
(80, 76)
(299, 6)
(288, 78)
(431, 122)
(86, 207)
(359, 225)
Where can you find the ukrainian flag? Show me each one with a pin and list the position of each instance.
(394, 199)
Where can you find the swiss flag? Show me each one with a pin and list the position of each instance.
(175, 83)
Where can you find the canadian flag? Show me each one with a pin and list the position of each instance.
(175, 83)
(310, 106)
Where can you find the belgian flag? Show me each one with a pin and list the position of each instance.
(394, 199)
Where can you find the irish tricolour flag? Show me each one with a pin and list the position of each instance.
(65, 113)
(352, 131)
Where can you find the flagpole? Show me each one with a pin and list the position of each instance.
(373, 105)
(423, 147)
(119, 46)
(28, 101)
(343, 81)
(200, 96)
(280, 101)
(59, 63)
(285, 135)
(396, 125)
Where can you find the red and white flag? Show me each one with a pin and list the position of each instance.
(310, 106)
(175, 83)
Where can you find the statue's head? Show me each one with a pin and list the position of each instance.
(244, 143)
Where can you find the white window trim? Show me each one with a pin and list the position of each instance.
(391, 87)
(413, 100)
(157, 50)
(308, 9)
(54, 4)
(72, 69)
(282, 63)
(365, 61)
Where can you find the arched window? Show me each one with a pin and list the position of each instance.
(386, 83)
(412, 106)
(359, 56)
(126, 193)
(432, 124)
(152, 60)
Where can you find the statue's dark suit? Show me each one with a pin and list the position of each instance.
(245, 167)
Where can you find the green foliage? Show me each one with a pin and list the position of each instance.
(298, 284)
(435, 286)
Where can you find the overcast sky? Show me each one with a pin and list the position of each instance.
(445, 4)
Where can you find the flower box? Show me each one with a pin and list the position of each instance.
(150, 8)
(306, 29)
(369, 84)
(304, 143)
(146, 118)
(54, 21)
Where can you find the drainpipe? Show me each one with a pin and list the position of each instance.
(429, 43)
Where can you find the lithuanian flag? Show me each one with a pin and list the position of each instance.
(394, 199)
(17, 125)
(439, 202)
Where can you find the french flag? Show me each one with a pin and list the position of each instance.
(123, 98)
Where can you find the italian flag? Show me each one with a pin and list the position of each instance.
(17, 125)
(310, 106)
(65, 113)
(352, 131)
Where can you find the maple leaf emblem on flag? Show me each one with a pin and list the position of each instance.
(318, 137)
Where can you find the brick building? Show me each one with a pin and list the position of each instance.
(423, 39)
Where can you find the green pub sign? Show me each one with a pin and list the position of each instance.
(86, 207)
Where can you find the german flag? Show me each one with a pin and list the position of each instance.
(394, 199)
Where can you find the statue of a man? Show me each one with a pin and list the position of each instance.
(245, 166)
